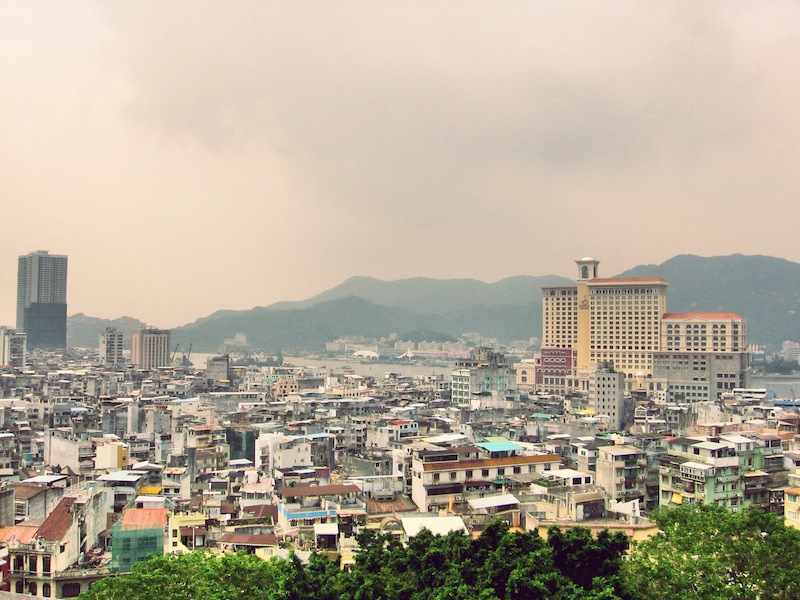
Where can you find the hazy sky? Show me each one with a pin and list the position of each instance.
(196, 156)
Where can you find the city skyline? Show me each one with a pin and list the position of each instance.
(205, 158)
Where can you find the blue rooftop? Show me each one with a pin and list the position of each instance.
(499, 446)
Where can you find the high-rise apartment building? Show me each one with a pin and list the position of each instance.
(607, 396)
(150, 348)
(42, 299)
(13, 347)
(110, 347)
(702, 355)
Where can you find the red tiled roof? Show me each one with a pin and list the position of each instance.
(263, 511)
(707, 316)
(57, 524)
(140, 518)
(21, 533)
(197, 530)
(26, 491)
(336, 489)
(625, 280)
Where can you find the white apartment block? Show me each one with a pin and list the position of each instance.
(486, 371)
(13, 347)
(607, 396)
(439, 477)
(110, 347)
(790, 351)
(606, 319)
(622, 472)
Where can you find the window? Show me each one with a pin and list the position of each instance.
(484, 472)
(32, 564)
(46, 564)
(46, 590)
(71, 590)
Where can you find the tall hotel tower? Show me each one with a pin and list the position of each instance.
(42, 299)
(623, 322)
(606, 320)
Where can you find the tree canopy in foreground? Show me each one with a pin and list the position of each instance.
(700, 552)
(499, 564)
(708, 552)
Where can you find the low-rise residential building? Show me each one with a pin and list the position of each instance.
(302, 507)
(445, 476)
(622, 472)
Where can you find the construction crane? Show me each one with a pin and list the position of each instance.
(185, 359)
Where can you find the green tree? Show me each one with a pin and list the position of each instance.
(497, 565)
(708, 552)
(189, 576)
(582, 558)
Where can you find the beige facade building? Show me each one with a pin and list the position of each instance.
(615, 320)
(702, 355)
(623, 322)
(150, 348)
(704, 332)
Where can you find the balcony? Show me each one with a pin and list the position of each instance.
(724, 461)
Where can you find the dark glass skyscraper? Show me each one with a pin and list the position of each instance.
(42, 299)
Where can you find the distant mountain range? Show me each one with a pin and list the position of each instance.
(762, 289)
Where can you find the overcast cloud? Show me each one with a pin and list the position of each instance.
(196, 156)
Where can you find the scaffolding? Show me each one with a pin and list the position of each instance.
(137, 536)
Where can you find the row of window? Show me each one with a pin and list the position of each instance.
(470, 473)
(33, 563)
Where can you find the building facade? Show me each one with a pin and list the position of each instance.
(606, 319)
(485, 372)
(622, 472)
(110, 348)
(13, 347)
(607, 396)
(451, 476)
(623, 321)
(702, 356)
(150, 348)
(42, 299)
